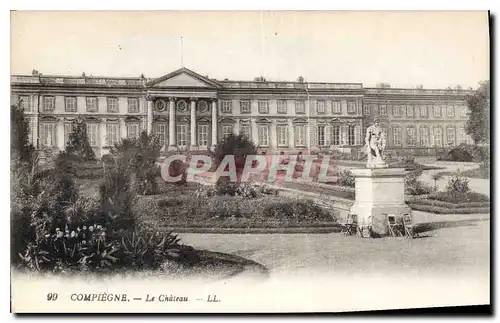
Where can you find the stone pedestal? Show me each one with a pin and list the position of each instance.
(379, 192)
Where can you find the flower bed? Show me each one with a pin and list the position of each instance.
(231, 212)
(445, 203)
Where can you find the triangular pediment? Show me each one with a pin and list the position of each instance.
(183, 78)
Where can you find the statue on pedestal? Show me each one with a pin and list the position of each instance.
(375, 145)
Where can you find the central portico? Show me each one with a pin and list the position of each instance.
(187, 103)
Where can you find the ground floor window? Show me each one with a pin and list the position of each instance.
(182, 134)
(246, 130)
(133, 130)
(321, 135)
(396, 132)
(48, 134)
(93, 133)
(424, 136)
(263, 132)
(111, 134)
(438, 136)
(226, 130)
(202, 135)
(300, 134)
(336, 135)
(68, 129)
(450, 136)
(161, 133)
(282, 134)
(410, 136)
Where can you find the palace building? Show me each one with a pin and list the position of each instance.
(190, 112)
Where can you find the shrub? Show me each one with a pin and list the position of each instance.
(108, 159)
(116, 199)
(138, 156)
(21, 150)
(457, 186)
(345, 178)
(461, 153)
(78, 143)
(413, 186)
(89, 248)
(463, 198)
(240, 146)
(298, 210)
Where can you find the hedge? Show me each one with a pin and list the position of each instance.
(442, 210)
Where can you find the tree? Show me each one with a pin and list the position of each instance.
(138, 156)
(240, 146)
(78, 143)
(20, 147)
(478, 125)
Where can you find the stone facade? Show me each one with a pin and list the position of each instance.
(191, 112)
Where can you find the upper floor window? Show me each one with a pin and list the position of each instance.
(465, 111)
(133, 105)
(226, 106)
(396, 111)
(336, 107)
(263, 106)
(281, 106)
(409, 110)
(351, 106)
(366, 110)
(320, 106)
(49, 103)
(424, 111)
(383, 110)
(245, 106)
(450, 111)
(437, 111)
(300, 107)
(24, 103)
(112, 105)
(70, 104)
(91, 103)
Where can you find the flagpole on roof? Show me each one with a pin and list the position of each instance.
(182, 52)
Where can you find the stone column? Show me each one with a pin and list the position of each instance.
(193, 145)
(291, 134)
(172, 143)
(35, 130)
(255, 131)
(236, 128)
(102, 137)
(214, 123)
(122, 128)
(60, 134)
(149, 101)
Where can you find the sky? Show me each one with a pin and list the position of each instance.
(434, 49)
